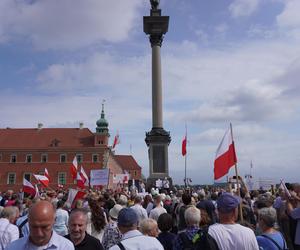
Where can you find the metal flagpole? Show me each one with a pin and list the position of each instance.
(237, 180)
(185, 179)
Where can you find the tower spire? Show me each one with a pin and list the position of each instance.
(102, 123)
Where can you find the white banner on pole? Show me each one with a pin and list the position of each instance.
(99, 177)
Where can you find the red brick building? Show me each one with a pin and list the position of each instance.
(129, 165)
(24, 152)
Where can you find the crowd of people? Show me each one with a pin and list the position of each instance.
(161, 219)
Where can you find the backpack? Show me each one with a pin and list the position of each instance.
(201, 241)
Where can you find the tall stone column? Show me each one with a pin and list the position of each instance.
(157, 139)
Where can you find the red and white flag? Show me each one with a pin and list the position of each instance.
(183, 147)
(116, 140)
(47, 174)
(74, 195)
(28, 188)
(42, 179)
(73, 168)
(80, 181)
(84, 177)
(225, 155)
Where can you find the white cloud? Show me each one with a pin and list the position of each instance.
(68, 24)
(289, 17)
(243, 8)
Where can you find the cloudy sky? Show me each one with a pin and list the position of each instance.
(223, 61)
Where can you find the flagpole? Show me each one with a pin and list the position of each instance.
(185, 160)
(237, 180)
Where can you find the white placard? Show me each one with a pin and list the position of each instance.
(99, 177)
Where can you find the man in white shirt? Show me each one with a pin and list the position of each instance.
(41, 236)
(138, 209)
(228, 234)
(8, 231)
(132, 238)
(158, 210)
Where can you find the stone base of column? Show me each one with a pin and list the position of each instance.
(158, 141)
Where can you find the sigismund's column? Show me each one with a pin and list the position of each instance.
(157, 139)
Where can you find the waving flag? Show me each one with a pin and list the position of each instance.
(28, 188)
(183, 147)
(225, 155)
(42, 179)
(73, 168)
(47, 174)
(116, 140)
(84, 177)
(74, 195)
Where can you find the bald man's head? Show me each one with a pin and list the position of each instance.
(41, 219)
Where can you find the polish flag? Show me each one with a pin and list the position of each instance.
(116, 140)
(84, 177)
(80, 181)
(183, 148)
(225, 155)
(73, 168)
(74, 195)
(28, 188)
(47, 174)
(42, 179)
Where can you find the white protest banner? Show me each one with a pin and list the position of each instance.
(121, 178)
(99, 177)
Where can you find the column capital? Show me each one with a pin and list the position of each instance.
(156, 40)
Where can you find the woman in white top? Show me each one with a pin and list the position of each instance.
(61, 219)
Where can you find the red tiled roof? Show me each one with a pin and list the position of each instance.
(127, 162)
(45, 137)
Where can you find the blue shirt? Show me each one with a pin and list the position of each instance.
(266, 244)
(56, 242)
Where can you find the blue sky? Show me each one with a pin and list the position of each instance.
(222, 60)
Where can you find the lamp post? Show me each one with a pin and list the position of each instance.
(157, 139)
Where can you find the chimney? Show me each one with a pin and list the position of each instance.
(81, 125)
(40, 126)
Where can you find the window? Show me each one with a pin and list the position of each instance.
(11, 178)
(100, 142)
(27, 176)
(44, 158)
(62, 178)
(63, 158)
(79, 158)
(0, 157)
(28, 158)
(95, 158)
(134, 173)
(13, 158)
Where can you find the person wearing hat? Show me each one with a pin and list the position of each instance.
(228, 234)
(112, 234)
(132, 238)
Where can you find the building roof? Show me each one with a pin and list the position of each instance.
(127, 162)
(28, 138)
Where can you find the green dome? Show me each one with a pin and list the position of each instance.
(102, 123)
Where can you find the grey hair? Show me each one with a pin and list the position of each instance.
(268, 216)
(147, 225)
(9, 212)
(192, 216)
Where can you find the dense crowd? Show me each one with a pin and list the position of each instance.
(160, 219)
